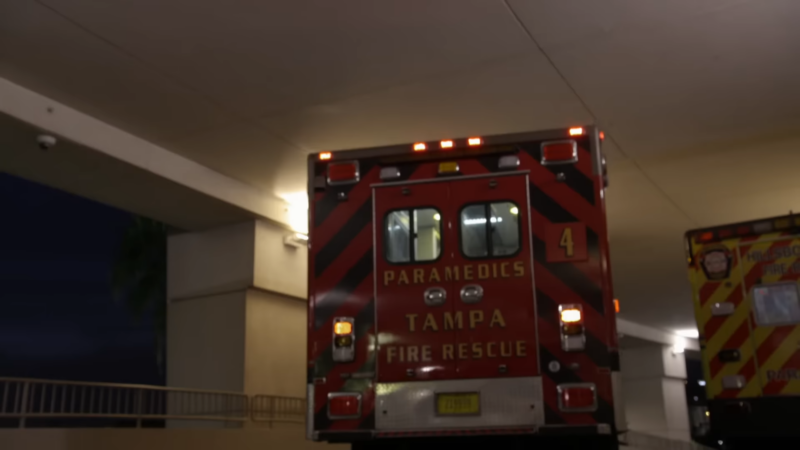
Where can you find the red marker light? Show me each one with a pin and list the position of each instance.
(341, 173)
(706, 237)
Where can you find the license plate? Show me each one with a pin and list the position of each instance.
(468, 404)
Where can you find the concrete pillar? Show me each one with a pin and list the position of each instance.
(654, 381)
(237, 311)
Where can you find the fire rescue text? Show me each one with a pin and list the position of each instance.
(471, 319)
(467, 272)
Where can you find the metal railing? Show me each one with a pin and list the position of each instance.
(25, 399)
(270, 409)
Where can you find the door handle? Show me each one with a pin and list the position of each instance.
(435, 296)
(471, 293)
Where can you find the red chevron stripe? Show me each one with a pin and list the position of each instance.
(334, 273)
(564, 195)
(561, 293)
(356, 302)
(736, 295)
(738, 338)
(334, 380)
(776, 386)
(337, 218)
(584, 163)
(592, 267)
(588, 369)
(773, 341)
(747, 371)
(550, 394)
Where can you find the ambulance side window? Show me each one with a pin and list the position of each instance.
(490, 230)
(413, 235)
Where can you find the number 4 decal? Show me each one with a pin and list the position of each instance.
(566, 242)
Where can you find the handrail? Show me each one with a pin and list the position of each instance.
(28, 398)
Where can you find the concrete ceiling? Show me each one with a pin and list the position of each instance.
(700, 99)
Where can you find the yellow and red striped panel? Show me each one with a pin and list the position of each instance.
(761, 349)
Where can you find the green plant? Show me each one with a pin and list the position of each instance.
(139, 277)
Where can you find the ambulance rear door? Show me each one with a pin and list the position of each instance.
(770, 283)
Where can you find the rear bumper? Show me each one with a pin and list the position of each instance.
(755, 417)
(522, 432)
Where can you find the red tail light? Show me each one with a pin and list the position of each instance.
(561, 152)
(579, 397)
(343, 173)
(708, 236)
(343, 405)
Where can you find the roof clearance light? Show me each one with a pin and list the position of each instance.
(474, 141)
(577, 131)
(571, 315)
(616, 305)
(706, 237)
(602, 136)
(447, 144)
(420, 147)
(324, 156)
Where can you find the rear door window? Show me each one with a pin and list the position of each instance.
(413, 235)
(489, 230)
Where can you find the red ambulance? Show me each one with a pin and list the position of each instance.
(459, 290)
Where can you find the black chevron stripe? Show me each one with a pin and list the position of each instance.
(332, 300)
(342, 239)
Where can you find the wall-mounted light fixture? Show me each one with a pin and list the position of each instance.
(297, 240)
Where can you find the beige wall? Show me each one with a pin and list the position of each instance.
(159, 439)
(654, 391)
(275, 348)
(277, 267)
(210, 262)
(237, 311)
(206, 342)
